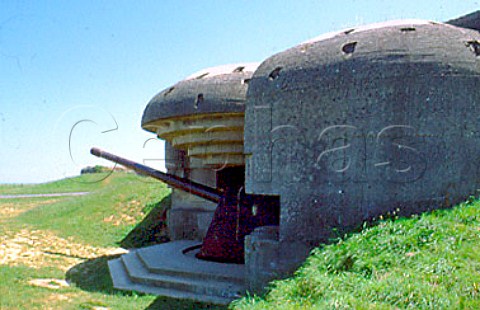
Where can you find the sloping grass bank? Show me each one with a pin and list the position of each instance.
(46, 242)
(104, 217)
(82, 183)
(54, 250)
(430, 261)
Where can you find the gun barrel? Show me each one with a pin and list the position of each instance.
(187, 185)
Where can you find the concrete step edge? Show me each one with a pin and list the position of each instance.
(199, 275)
(121, 281)
(138, 273)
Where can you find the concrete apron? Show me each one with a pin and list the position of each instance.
(171, 270)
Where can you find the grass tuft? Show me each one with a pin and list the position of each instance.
(430, 261)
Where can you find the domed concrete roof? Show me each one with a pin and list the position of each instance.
(204, 114)
(394, 42)
(213, 90)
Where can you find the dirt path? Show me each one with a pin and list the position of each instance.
(43, 195)
(39, 249)
(42, 248)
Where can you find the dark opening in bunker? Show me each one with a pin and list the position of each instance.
(349, 48)
(264, 209)
(236, 216)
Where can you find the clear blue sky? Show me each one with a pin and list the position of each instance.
(94, 65)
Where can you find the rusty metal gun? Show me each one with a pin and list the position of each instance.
(187, 185)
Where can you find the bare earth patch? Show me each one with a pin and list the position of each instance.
(58, 300)
(39, 249)
(53, 284)
(129, 216)
(11, 209)
(58, 297)
(123, 219)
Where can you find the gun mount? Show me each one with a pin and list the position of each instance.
(236, 215)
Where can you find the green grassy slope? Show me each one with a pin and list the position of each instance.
(82, 183)
(101, 218)
(51, 239)
(42, 238)
(430, 261)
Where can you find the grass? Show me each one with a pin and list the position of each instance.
(17, 293)
(103, 217)
(83, 183)
(431, 261)
(72, 238)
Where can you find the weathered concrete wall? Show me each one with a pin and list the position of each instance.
(189, 216)
(363, 122)
(261, 258)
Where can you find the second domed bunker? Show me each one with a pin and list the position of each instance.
(203, 115)
(202, 120)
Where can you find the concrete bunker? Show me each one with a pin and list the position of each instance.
(355, 124)
(327, 134)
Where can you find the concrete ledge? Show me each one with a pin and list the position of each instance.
(121, 281)
(165, 270)
(140, 274)
(159, 259)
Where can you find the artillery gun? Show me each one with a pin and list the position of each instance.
(236, 216)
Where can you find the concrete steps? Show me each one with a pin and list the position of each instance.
(166, 270)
